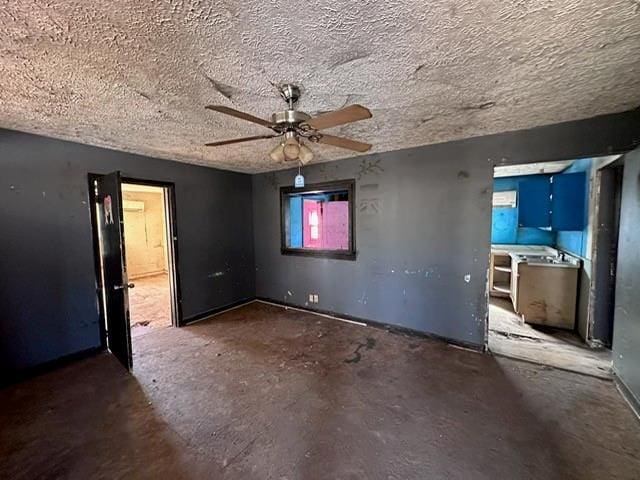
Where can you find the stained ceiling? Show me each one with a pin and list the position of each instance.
(135, 76)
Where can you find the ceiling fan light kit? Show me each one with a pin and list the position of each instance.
(291, 147)
(277, 153)
(306, 155)
(295, 125)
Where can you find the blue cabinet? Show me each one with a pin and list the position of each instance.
(559, 202)
(534, 202)
(569, 201)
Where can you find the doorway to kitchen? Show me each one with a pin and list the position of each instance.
(552, 265)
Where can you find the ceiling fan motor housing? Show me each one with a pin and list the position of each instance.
(291, 118)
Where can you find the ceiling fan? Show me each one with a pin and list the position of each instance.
(294, 125)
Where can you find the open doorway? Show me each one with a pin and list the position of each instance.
(146, 219)
(135, 259)
(552, 266)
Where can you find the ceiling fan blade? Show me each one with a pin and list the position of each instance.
(344, 143)
(239, 140)
(238, 114)
(349, 114)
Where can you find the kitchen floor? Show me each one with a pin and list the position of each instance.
(150, 304)
(261, 392)
(510, 336)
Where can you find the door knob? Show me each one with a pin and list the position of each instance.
(122, 287)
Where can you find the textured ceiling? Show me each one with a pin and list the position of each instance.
(135, 75)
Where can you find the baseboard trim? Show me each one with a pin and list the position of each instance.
(46, 367)
(627, 394)
(313, 312)
(371, 323)
(216, 311)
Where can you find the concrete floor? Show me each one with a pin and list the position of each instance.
(510, 336)
(265, 393)
(150, 304)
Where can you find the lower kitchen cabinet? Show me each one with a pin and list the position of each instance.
(544, 292)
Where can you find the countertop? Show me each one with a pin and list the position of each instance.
(524, 249)
(551, 261)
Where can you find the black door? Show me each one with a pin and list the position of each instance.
(114, 270)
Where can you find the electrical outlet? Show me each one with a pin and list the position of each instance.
(315, 298)
(311, 297)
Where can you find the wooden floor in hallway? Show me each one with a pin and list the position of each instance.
(261, 392)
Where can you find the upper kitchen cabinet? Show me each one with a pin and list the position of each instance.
(568, 201)
(558, 202)
(534, 202)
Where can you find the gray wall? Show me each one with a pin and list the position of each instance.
(626, 327)
(48, 303)
(48, 299)
(419, 225)
(423, 220)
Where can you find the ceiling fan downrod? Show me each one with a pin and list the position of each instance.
(290, 93)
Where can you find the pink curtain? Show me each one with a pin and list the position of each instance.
(326, 225)
(335, 226)
(312, 219)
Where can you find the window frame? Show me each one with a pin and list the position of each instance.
(349, 186)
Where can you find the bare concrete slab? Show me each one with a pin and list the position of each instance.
(265, 393)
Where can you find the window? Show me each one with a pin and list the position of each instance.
(317, 220)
